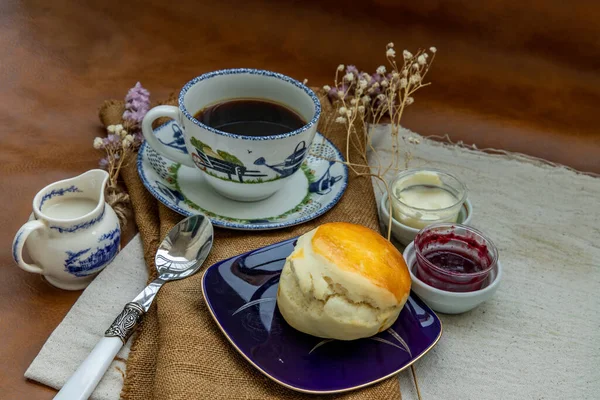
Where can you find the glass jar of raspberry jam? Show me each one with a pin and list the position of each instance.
(454, 257)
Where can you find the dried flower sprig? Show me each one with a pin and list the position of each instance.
(122, 141)
(118, 144)
(363, 100)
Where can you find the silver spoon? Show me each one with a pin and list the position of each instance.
(180, 255)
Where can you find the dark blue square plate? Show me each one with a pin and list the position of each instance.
(241, 296)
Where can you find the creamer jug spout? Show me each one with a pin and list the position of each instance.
(92, 182)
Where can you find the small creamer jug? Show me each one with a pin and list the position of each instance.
(72, 234)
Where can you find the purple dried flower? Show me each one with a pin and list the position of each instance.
(103, 163)
(138, 139)
(137, 103)
(138, 92)
(333, 94)
(368, 78)
(136, 116)
(376, 91)
(113, 139)
(377, 77)
(351, 69)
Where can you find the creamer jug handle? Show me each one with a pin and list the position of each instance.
(19, 242)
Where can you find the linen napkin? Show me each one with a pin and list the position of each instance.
(84, 325)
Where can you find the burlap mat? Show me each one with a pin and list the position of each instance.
(180, 353)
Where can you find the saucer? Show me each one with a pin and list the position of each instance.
(241, 296)
(309, 193)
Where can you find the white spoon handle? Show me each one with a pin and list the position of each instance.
(83, 382)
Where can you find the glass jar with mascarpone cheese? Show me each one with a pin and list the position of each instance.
(425, 196)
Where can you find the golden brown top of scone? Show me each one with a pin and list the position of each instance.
(356, 248)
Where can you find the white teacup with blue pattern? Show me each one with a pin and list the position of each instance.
(245, 168)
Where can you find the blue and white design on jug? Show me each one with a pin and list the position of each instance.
(290, 164)
(15, 247)
(178, 142)
(82, 225)
(325, 183)
(172, 194)
(58, 192)
(86, 262)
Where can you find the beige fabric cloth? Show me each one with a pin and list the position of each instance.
(180, 353)
(537, 338)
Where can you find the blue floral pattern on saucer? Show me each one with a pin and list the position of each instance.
(241, 295)
(310, 192)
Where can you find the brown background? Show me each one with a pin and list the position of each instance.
(522, 76)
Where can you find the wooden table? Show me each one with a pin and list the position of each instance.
(521, 77)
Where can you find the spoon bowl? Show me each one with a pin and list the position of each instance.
(185, 248)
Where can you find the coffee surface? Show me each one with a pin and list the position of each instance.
(250, 117)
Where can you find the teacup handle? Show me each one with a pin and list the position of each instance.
(170, 153)
(19, 242)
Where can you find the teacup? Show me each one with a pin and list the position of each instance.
(240, 167)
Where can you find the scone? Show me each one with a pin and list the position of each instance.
(343, 281)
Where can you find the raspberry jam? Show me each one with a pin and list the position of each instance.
(454, 257)
(454, 262)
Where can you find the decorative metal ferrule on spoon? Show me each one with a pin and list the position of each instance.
(125, 324)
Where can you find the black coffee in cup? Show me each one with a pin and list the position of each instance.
(250, 117)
